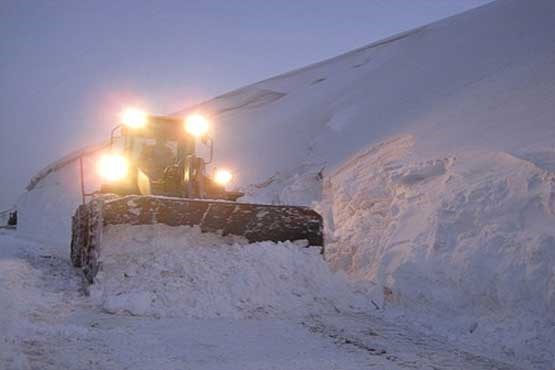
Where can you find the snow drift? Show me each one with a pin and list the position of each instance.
(467, 238)
(477, 226)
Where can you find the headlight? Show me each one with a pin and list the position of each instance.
(196, 125)
(223, 177)
(134, 118)
(113, 167)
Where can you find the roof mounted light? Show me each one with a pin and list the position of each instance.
(134, 118)
(196, 125)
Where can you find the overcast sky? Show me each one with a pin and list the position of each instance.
(68, 67)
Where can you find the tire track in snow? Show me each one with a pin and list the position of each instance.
(394, 346)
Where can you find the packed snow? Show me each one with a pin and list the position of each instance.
(430, 156)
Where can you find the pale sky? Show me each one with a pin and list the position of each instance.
(68, 67)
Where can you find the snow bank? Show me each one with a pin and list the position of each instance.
(467, 238)
(11, 301)
(472, 231)
(158, 270)
(45, 210)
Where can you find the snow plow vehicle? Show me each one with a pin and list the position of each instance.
(153, 175)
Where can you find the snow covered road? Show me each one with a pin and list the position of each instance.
(51, 324)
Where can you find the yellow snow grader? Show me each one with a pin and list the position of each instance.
(153, 174)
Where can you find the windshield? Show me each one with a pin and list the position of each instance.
(154, 156)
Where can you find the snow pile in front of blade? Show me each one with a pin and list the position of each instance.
(157, 270)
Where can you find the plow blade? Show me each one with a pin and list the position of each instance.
(254, 222)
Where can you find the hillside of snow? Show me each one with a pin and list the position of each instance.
(480, 80)
(431, 157)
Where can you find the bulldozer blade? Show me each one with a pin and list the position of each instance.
(254, 222)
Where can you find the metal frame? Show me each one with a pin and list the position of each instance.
(82, 178)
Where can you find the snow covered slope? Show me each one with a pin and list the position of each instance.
(483, 79)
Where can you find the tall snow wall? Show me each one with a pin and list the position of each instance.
(52, 196)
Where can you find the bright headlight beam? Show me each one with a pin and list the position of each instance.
(134, 118)
(113, 167)
(196, 125)
(222, 177)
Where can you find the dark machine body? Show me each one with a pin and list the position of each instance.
(166, 183)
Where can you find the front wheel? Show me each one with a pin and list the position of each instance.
(79, 235)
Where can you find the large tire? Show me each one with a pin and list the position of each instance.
(89, 265)
(89, 253)
(79, 236)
